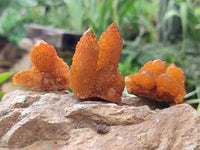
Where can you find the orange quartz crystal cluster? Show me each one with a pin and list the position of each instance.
(94, 69)
(48, 73)
(157, 82)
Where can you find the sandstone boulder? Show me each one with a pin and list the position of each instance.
(60, 121)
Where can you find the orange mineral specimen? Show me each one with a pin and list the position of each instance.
(49, 72)
(94, 68)
(156, 82)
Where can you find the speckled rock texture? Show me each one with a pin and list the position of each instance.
(60, 121)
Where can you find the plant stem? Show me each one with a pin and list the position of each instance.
(198, 108)
(193, 101)
(190, 94)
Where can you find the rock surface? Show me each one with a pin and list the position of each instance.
(60, 121)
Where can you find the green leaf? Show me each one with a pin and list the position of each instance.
(1, 94)
(198, 91)
(171, 13)
(190, 94)
(70, 90)
(192, 101)
(198, 108)
(4, 76)
(184, 19)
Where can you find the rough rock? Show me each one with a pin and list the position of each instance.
(60, 121)
(8, 55)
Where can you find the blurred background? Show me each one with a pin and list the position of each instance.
(151, 29)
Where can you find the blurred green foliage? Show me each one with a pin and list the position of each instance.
(78, 15)
(4, 77)
(179, 19)
(13, 24)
